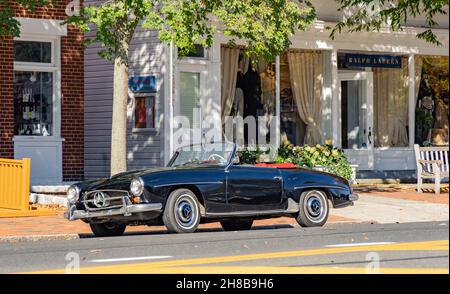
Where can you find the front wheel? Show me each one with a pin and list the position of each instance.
(107, 229)
(314, 209)
(182, 212)
(236, 225)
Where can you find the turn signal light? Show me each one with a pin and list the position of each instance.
(136, 200)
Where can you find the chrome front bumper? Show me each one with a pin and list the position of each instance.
(353, 197)
(126, 210)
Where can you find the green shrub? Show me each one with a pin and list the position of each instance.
(332, 159)
(249, 156)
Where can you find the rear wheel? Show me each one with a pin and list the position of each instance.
(314, 209)
(182, 212)
(236, 225)
(108, 229)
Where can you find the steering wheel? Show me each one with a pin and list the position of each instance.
(217, 156)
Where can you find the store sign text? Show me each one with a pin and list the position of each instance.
(363, 60)
(141, 84)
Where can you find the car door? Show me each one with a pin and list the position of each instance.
(253, 188)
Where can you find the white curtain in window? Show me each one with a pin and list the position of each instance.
(230, 65)
(306, 73)
(391, 106)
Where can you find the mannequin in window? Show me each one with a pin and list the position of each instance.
(252, 92)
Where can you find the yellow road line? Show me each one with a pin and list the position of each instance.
(266, 270)
(158, 266)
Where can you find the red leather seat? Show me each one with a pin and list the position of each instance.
(277, 165)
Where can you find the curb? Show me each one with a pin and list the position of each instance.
(46, 199)
(35, 238)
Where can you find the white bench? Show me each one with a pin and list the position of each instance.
(432, 163)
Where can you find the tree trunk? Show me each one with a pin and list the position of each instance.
(119, 118)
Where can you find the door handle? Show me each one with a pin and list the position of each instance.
(278, 178)
(369, 137)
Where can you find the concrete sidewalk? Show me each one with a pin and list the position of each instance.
(376, 205)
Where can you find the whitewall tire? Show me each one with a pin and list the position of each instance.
(313, 209)
(182, 212)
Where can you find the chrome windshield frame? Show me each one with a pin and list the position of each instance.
(229, 159)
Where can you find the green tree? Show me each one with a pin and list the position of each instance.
(9, 26)
(369, 15)
(266, 26)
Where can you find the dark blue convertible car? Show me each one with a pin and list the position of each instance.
(206, 183)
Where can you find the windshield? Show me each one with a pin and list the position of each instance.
(209, 154)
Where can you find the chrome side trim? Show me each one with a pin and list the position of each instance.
(126, 210)
(321, 186)
(247, 213)
(190, 183)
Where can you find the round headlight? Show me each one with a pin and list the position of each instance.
(73, 193)
(137, 187)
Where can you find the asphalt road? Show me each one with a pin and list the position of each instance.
(335, 248)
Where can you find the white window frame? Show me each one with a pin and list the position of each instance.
(53, 67)
(155, 96)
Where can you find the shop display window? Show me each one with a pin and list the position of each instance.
(33, 103)
(432, 93)
(34, 85)
(144, 112)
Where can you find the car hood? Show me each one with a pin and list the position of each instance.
(119, 181)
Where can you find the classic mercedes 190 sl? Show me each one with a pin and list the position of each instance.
(206, 183)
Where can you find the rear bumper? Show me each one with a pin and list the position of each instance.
(126, 210)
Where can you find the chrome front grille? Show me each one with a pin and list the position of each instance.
(106, 199)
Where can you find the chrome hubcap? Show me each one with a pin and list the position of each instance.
(186, 211)
(315, 207)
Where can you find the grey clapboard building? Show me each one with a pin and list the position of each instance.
(144, 145)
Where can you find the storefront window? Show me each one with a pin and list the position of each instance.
(33, 103)
(301, 83)
(33, 89)
(248, 91)
(391, 105)
(432, 92)
(29, 51)
(144, 112)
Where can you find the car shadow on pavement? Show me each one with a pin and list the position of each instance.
(200, 230)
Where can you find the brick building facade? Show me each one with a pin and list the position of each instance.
(65, 141)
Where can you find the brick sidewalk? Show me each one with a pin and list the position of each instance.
(406, 194)
(58, 226)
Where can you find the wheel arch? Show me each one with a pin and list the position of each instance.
(194, 189)
(326, 190)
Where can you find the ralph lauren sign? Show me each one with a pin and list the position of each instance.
(364, 60)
